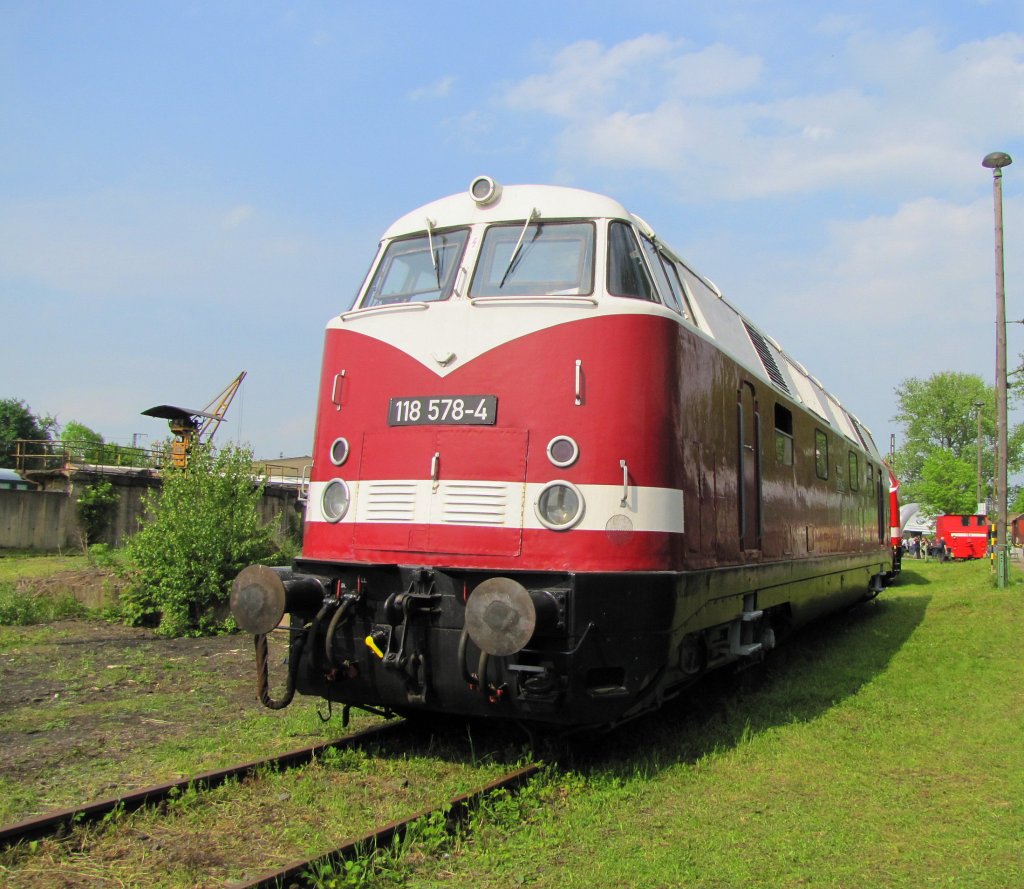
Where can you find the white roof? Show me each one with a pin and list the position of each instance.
(515, 203)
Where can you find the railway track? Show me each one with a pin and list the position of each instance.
(296, 875)
(53, 822)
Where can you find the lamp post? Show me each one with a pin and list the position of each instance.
(978, 405)
(995, 162)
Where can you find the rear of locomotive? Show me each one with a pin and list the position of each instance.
(492, 519)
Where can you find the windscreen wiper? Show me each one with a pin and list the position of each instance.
(433, 255)
(534, 213)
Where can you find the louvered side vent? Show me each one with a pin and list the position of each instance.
(389, 502)
(764, 352)
(474, 503)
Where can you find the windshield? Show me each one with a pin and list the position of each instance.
(553, 259)
(417, 269)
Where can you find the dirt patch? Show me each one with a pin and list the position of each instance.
(93, 587)
(78, 688)
(90, 709)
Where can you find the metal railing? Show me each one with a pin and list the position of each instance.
(280, 472)
(50, 456)
(37, 456)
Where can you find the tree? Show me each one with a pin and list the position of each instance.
(18, 422)
(84, 445)
(947, 485)
(940, 415)
(204, 528)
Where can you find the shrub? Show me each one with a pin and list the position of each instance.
(204, 528)
(96, 506)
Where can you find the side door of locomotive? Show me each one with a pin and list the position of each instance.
(749, 467)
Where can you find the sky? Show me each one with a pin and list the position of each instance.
(189, 190)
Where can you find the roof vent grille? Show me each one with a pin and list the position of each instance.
(764, 352)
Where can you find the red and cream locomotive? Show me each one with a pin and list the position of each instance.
(557, 476)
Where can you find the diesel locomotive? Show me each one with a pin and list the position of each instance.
(558, 476)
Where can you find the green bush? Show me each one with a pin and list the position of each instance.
(96, 506)
(204, 527)
(103, 555)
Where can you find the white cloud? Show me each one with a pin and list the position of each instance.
(237, 216)
(585, 77)
(900, 109)
(897, 295)
(717, 70)
(436, 90)
(919, 266)
(115, 288)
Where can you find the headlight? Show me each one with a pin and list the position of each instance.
(334, 500)
(559, 505)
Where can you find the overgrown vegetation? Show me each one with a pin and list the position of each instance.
(19, 610)
(84, 445)
(204, 528)
(96, 507)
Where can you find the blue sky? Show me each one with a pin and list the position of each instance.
(188, 190)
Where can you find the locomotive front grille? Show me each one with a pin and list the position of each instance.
(389, 502)
(474, 503)
(454, 503)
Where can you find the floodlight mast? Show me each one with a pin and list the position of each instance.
(995, 162)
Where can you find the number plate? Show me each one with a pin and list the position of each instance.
(447, 410)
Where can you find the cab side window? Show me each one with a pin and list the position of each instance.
(627, 274)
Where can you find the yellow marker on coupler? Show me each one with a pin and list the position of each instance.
(373, 647)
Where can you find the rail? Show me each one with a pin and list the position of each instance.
(52, 822)
(300, 873)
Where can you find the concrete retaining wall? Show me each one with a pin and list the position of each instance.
(48, 520)
(34, 520)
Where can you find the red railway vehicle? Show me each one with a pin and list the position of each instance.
(965, 535)
(558, 476)
(895, 527)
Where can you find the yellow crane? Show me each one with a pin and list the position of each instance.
(191, 427)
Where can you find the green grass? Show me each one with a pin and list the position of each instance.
(16, 564)
(882, 748)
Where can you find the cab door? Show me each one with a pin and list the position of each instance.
(749, 467)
